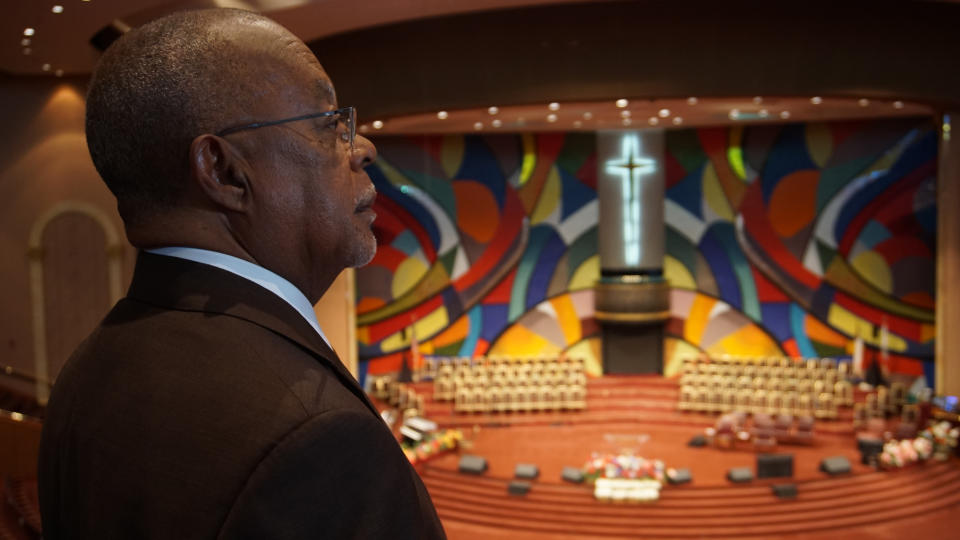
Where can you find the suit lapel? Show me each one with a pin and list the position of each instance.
(180, 284)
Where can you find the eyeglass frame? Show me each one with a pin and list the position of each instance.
(349, 113)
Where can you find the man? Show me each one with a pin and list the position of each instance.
(208, 404)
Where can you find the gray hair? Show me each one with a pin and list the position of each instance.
(156, 89)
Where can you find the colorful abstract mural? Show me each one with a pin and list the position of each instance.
(781, 239)
(812, 233)
(484, 243)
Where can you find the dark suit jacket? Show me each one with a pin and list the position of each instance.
(204, 406)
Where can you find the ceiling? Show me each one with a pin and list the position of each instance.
(62, 29)
(633, 114)
(60, 43)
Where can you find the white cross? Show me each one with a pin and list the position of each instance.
(630, 166)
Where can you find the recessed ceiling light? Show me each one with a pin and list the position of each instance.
(364, 128)
(763, 113)
(45, 67)
(784, 114)
(816, 100)
(622, 103)
(864, 102)
(627, 121)
(25, 42)
(577, 124)
(757, 100)
(587, 115)
(624, 114)
(57, 9)
(28, 32)
(692, 100)
(653, 120)
(442, 115)
(478, 126)
(493, 110)
(377, 124)
(677, 120)
(897, 104)
(554, 106)
(551, 118)
(27, 50)
(58, 73)
(496, 123)
(663, 113)
(734, 114)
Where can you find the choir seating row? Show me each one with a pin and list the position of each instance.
(765, 361)
(446, 385)
(520, 398)
(811, 371)
(489, 366)
(695, 399)
(399, 395)
(842, 390)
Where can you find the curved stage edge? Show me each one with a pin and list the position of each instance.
(639, 413)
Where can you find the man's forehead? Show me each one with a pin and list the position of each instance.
(323, 89)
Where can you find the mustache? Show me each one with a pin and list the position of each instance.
(367, 198)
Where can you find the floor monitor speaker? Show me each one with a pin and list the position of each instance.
(774, 465)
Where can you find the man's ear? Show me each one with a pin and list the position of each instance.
(218, 171)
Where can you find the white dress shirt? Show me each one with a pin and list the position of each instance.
(252, 272)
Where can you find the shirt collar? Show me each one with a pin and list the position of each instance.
(270, 281)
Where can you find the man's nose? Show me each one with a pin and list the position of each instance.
(364, 153)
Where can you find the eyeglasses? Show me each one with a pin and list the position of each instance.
(347, 115)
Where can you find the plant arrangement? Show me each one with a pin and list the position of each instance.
(624, 465)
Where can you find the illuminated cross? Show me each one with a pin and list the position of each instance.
(630, 167)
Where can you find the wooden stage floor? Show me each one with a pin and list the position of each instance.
(639, 413)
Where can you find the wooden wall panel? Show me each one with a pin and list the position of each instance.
(948, 263)
(75, 283)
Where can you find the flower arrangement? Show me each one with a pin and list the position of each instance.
(625, 465)
(943, 437)
(433, 444)
(897, 454)
(937, 441)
